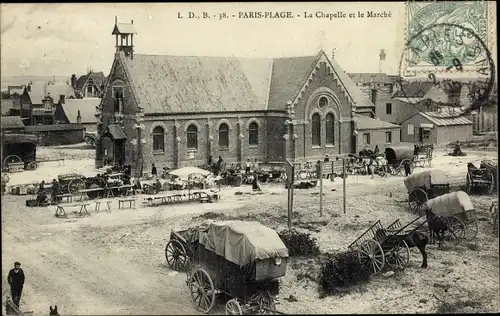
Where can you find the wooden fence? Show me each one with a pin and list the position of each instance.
(484, 122)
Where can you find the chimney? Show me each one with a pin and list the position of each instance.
(79, 118)
(62, 99)
(381, 61)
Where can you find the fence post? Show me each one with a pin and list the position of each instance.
(321, 189)
(332, 175)
(344, 184)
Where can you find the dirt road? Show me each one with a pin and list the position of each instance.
(112, 262)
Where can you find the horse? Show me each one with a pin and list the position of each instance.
(412, 239)
(438, 225)
(53, 311)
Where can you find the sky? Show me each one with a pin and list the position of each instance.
(62, 39)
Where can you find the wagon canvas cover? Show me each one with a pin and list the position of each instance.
(450, 204)
(242, 242)
(425, 179)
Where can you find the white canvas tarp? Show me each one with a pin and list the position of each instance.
(425, 179)
(242, 242)
(185, 172)
(450, 204)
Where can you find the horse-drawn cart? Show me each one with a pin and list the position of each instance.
(240, 259)
(397, 157)
(458, 210)
(19, 152)
(477, 176)
(72, 183)
(425, 185)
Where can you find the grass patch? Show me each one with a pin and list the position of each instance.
(341, 272)
(299, 244)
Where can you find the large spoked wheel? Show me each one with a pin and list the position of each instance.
(32, 165)
(417, 199)
(75, 185)
(233, 307)
(394, 170)
(371, 255)
(176, 255)
(399, 258)
(491, 185)
(11, 159)
(265, 301)
(468, 183)
(202, 290)
(456, 228)
(402, 166)
(470, 230)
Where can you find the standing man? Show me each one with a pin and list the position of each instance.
(55, 191)
(16, 282)
(247, 167)
(154, 173)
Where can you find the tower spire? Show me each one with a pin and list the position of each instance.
(381, 61)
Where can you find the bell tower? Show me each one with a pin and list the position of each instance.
(381, 61)
(124, 33)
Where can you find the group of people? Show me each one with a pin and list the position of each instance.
(42, 197)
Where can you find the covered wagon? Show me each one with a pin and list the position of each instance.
(424, 186)
(19, 151)
(397, 157)
(459, 212)
(240, 259)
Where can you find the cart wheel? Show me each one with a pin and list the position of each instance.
(399, 258)
(202, 290)
(402, 166)
(417, 198)
(468, 182)
(233, 307)
(470, 230)
(75, 185)
(32, 165)
(265, 301)
(491, 186)
(457, 229)
(11, 159)
(394, 170)
(176, 255)
(371, 253)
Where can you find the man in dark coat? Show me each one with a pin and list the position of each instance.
(16, 282)
(55, 191)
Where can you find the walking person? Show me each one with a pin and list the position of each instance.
(154, 173)
(16, 282)
(247, 167)
(55, 191)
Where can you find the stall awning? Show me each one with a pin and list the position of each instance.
(19, 138)
(423, 125)
(116, 132)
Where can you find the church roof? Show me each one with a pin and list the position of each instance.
(187, 84)
(124, 28)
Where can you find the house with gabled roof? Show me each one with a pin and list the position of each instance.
(79, 111)
(89, 85)
(177, 111)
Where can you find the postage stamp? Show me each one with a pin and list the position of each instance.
(438, 34)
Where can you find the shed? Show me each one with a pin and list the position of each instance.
(439, 128)
(10, 124)
(370, 132)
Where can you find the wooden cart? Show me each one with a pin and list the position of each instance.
(478, 176)
(459, 212)
(240, 259)
(424, 186)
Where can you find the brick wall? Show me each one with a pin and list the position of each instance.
(63, 137)
(378, 137)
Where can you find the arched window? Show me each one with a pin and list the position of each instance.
(192, 137)
(316, 130)
(223, 135)
(330, 129)
(253, 134)
(158, 139)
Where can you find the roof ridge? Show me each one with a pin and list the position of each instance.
(235, 57)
